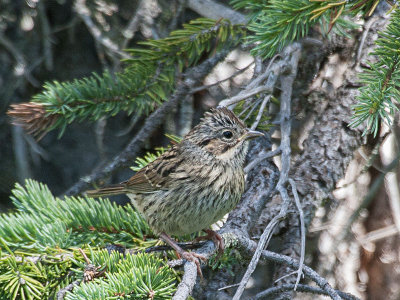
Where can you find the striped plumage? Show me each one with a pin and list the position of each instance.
(197, 181)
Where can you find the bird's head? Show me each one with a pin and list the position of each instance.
(223, 135)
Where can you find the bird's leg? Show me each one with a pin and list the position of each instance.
(216, 238)
(189, 256)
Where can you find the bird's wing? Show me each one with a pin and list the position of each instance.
(155, 176)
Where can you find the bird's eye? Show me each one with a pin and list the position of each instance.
(227, 134)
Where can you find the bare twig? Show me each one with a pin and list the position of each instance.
(228, 286)
(367, 26)
(261, 77)
(379, 234)
(20, 59)
(70, 24)
(133, 25)
(176, 263)
(260, 112)
(99, 133)
(185, 287)
(246, 94)
(21, 154)
(238, 72)
(286, 275)
(311, 42)
(191, 78)
(267, 155)
(36, 149)
(84, 13)
(320, 281)
(253, 106)
(185, 246)
(213, 10)
(302, 231)
(84, 256)
(180, 7)
(258, 67)
(293, 53)
(256, 86)
(370, 159)
(246, 247)
(134, 119)
(300, 288)
(264, 240)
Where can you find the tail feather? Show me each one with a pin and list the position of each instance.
(107, 191)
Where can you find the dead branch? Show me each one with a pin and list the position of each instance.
(314, 276)
(246, 247)
(84, 13)
(213, 10)
(277, 290)
(302, 230)
(293, 53)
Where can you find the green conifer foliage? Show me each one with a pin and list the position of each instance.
(146, 81)
(380, 94)
(40, 242)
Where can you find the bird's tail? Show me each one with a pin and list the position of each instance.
(107, 191)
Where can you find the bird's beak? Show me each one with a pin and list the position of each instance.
(251, 134)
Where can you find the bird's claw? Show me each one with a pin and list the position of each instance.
(217, 240)
(194, 257)
(219, 243)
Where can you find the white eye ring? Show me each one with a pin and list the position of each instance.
(227, 134)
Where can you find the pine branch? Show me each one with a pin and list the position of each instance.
(381, 91)
(44, 221)
(276, 23)
(39, 241)
(141, 275)
(146, 82)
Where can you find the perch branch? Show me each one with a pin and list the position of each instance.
(238, 239)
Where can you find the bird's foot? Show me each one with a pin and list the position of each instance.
(189, 256)
(194, 257)
(216, 238)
